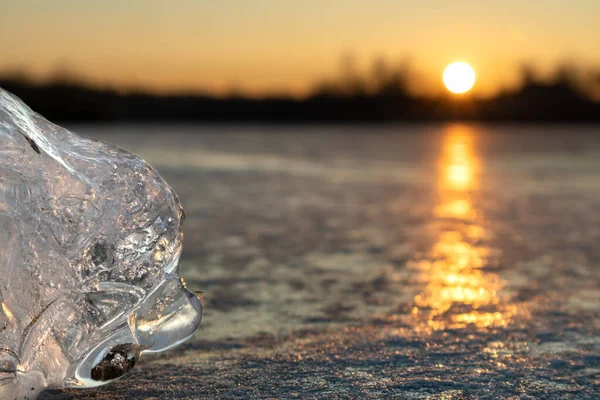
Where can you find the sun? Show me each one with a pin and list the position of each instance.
(459, 77)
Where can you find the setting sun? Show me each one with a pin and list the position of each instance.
(459, 77)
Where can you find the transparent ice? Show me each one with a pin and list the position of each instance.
(90, 239)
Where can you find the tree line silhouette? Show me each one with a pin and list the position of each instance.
(382, 95)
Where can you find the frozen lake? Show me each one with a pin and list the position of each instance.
(449, 261)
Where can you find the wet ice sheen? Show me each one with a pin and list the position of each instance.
(90, 239)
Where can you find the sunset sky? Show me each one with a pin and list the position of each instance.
(267, 46)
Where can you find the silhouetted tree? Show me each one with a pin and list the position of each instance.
(380, 93)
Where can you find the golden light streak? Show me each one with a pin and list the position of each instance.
(458, 293)
(7, 312)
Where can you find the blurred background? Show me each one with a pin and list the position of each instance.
(301, 61)
(383, 197)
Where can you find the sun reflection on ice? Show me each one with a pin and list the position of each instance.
(459, 164)
(458, 292)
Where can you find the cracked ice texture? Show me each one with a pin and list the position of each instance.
(90, 238)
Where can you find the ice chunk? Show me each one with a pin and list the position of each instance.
(90, 239)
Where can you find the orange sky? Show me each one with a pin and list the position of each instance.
(266, 46)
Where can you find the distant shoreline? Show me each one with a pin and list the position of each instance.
(533, 102)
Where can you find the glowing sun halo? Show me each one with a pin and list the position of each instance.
(459, 77)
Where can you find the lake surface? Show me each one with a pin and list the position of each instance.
(411, 261)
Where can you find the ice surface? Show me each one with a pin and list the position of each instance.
(90, 239)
